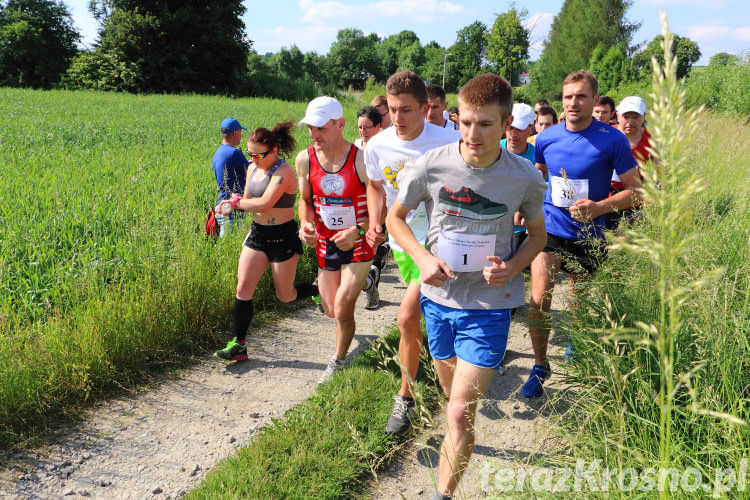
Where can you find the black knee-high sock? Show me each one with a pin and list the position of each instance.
(241, 318)
(305, 290)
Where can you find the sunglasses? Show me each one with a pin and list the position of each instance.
(259, 156)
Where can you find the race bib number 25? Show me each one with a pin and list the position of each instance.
(336, 218)
(465, 252)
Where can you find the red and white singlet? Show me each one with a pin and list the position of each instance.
(340, 201)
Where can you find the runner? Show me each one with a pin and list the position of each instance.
(270, 193)
(333, 218)
(470, 280)
(631, 116)
(369, 123)
(385, 156)
(580, 156)
(516, 141)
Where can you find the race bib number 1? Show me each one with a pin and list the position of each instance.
(565, 192)
(465, 252)
(337, 218)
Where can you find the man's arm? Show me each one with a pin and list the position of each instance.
(432, 271)
(305, 209)
(542, 167)
(499, 272)
(586, 210)
(375, 203)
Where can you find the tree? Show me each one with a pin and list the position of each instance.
(467, 55)
(172, 46)
(612, 67)
(724, 59)
(401, 51)
(686, 51)
(37, 42)
(353, 58)
(432, 69)
(289, 63)
(580, 26)
(508, 44)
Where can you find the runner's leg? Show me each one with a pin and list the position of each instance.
(410, 344)
(328, 285)
(283, 278)
(544, 271)
(352, 278)
(469, 382)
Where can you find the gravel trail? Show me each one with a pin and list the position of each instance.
(160, 443)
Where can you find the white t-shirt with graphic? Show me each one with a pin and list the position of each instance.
(386, 155)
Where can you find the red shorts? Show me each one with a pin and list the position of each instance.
(331, 258)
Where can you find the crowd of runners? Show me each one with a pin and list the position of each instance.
(464, 200)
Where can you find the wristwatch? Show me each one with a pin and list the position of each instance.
(360, 231)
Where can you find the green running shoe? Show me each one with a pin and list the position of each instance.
(234, 351)
(318, 303)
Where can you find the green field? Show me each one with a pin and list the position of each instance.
(104, 271)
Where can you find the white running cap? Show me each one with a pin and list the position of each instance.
(523, 116)
(321, 110)
(632, 103)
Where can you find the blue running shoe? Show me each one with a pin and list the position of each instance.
(533, 386)
(569, 351)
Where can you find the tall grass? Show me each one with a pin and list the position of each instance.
(104, 270)
(662, 353)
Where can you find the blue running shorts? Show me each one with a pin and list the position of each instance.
(477, 336)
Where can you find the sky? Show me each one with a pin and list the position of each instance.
(715, 25)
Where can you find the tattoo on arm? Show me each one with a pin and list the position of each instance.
(281, 181)
(272, 222)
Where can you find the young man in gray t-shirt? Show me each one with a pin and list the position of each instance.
(470, 280)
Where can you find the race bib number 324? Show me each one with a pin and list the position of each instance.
(465, 252)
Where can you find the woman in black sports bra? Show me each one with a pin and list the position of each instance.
(270, 193)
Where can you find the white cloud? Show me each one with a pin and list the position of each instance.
(707, 33)
(312, 38)
(713, 32)
(422, 11)
(743, 33)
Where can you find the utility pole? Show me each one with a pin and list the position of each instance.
(444, 58)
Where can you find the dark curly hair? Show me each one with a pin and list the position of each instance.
(280, 135)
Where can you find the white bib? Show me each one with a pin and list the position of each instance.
(465, 252)
(337, 218)
(565, 192)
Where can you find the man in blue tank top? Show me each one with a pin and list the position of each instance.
(579, 156)
(230, 168)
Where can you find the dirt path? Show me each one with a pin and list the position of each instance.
(509, 429)
(161, 443)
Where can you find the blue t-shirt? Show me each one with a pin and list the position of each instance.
(230, 168)
(529, 155)
(580, 165)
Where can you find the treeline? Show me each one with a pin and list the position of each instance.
(187, 46)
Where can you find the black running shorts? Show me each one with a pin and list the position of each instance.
(578, 256)
(279, 243)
